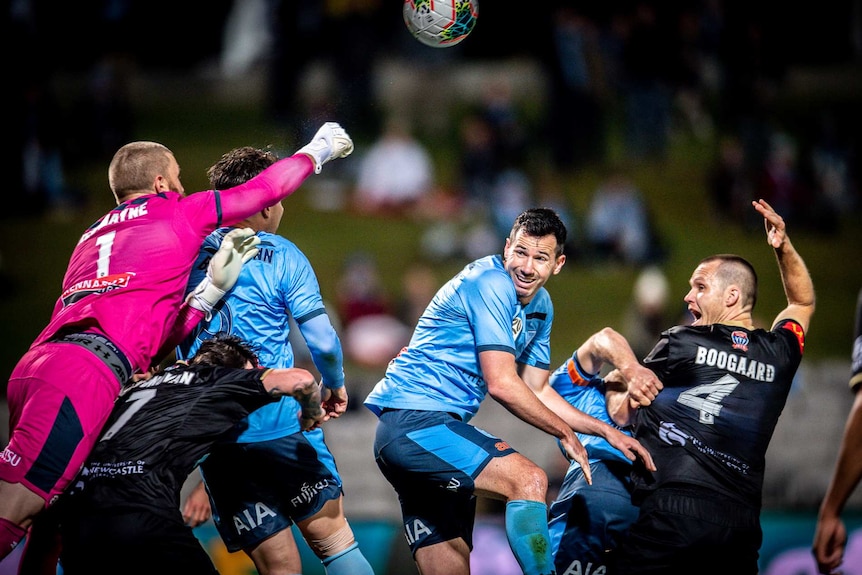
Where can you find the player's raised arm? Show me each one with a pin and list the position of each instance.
(798, 286)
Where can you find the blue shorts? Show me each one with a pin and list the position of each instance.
(259, 489)
(586, 521)
(432, 459)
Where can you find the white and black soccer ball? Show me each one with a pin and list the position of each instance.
(440, 23)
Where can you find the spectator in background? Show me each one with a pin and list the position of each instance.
(830, 536)
(395, 174)
(418, 286)
(478, 163)
(618, 225)
(647, 314)
(646, 56)
(372, 334)
(576, 122)
(730, 183)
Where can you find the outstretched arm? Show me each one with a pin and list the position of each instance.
(609, 346)
(830, 535)
(798, 286)
(513, 393)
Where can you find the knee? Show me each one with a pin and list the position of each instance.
(334, 543)
(531, 483)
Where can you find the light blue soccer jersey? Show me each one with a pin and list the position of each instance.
(277, 282)
(477, 310)
(589, 398)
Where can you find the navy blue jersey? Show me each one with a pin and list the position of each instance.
(724, 389)
(157, 433)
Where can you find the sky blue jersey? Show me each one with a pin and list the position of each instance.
(277, 282)
(588, 395)
(477, 310)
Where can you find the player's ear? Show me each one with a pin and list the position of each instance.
(732, 296)
(561, 259)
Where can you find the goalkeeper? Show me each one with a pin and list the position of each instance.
(119, 309)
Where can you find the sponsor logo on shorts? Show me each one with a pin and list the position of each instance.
(415, 529)
(250, 518)
(502, 446)
(453, 485)
(308, 492)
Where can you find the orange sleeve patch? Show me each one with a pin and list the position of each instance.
(796, 330)
(574, 375)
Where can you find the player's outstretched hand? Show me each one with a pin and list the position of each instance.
(329, 143)
(774, 223)
(576, 451)
(237, 247)
(631, 448)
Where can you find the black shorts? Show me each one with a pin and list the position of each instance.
(131, 543)
(690, 530)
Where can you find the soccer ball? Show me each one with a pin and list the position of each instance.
(440, 23)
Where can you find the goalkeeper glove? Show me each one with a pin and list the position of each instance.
(237, 247)
(329, 143)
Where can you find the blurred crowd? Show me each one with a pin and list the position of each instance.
(618, 83)
(640, 71)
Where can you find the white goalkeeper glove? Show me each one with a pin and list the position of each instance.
(237, 247)
(329, 143)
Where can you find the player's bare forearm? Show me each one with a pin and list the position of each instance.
(798, 287)
(574, 417)
(848, 469)
(621, 406)
(606, 346)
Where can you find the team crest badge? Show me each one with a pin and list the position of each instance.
(517, 326)
(739, 340)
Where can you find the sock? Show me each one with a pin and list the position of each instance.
(10, 535)
(527, 532)
(351, 561)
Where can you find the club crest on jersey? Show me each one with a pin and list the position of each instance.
(517, 327)
(739, 340)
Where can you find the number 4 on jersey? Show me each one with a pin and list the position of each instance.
(707, 398)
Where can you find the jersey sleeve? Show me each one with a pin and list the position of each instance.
(270, 186)
(488, 300)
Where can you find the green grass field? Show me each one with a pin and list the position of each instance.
(587, 297)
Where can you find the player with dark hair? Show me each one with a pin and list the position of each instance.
(272, 464)
(586, 521)
(830, 535)
(122, 513)
(486, 331)
(120, 310)
(725, 385)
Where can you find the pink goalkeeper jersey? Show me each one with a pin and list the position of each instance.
(127, 276)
